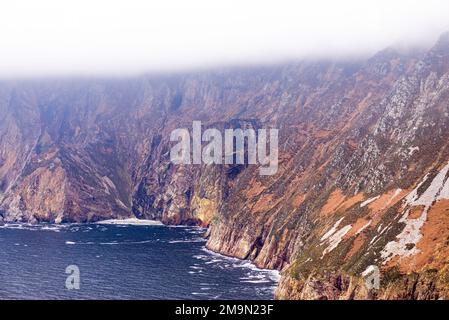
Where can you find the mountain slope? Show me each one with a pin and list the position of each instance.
(362, 180)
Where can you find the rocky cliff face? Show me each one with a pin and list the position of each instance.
(362, 180)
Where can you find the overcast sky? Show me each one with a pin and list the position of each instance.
(56, 37)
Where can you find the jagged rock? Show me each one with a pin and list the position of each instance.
(360, 144)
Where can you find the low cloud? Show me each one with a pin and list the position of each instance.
(57, 37)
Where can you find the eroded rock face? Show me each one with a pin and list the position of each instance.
(362, 178)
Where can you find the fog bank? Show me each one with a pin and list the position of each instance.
(115, 37)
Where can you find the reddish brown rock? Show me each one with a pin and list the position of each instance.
(363, 151)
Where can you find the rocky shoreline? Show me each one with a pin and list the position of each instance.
(363, 174)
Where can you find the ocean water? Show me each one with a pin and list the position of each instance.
(122, 262)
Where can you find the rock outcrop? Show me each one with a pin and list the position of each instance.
(362, 179)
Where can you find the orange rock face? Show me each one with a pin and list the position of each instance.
(362, 179)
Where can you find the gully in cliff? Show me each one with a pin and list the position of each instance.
(234, 153)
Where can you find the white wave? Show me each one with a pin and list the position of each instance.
(214, 261)
(54, 228)
(196, 267)
(82, 243)
(253, 276)
(188, 240)
(36, 227)
(201, 257)
(197, 230)
(126, 242)
(273, 275)
(257, 281)
(131, 221)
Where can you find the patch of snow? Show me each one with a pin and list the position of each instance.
(379, 233)
(410, 235)
(438, 189)
(433, 192)
(331, 230)
(367, 202)
(395, 194)
(335, 239)
(364, 227)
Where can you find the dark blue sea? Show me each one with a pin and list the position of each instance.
(122, 262)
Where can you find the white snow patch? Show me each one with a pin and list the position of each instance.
(367, 202)
(373, 240)
(335, 239)
(438, 189)
(364, 227)
(410, 235)
(433, 192)
(331, 230)
(395, 194)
